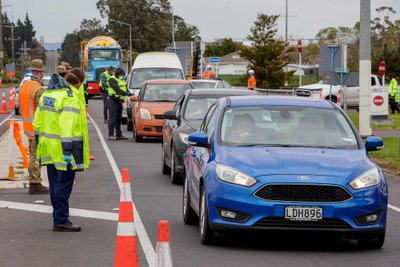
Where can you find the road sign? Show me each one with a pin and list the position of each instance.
(378, 100)
(299, 47)
(382, 68)
(10, 70)
(214, 59)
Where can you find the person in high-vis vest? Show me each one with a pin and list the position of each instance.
(104, 78)
(116, 96)
(251, 82)
(29, 95)
(208, 73)
(394, 96)
(61, 145)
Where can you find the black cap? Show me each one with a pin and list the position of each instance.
(119, 72)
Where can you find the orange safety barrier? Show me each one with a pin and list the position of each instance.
(163, 247)
(11, 103)
(126, 252)
(4, 109)
(18, 139)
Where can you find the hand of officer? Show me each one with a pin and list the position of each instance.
(68, 159)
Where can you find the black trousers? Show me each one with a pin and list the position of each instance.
(394, 106)
(114, 122)
(104, 96)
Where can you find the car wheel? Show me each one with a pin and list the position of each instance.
(136, 137)
(189, 216)
(372, 242)
(175, 176)
(129, 126)
(164, 168)
(207, 235)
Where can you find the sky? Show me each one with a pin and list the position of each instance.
(214, 18)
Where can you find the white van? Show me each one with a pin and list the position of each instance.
(151, 66)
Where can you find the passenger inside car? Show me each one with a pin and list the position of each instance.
(243, 129)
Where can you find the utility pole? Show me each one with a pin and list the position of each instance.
(365, 68)
(12, 40)
(1, 39)
(286, 23)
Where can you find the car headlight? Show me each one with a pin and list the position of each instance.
(367, 179)
(233, 176)
(145, 114)
(184, 137)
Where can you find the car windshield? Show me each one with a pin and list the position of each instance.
(198, 84)
(286, 126)
(197, 107)
(140, 75)
(104, 54)
(164, 92)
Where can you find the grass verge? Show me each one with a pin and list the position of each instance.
(393, 117)
(389, 157)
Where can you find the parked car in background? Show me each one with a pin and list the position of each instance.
(184, 119)
(210, 84)
(150, 66)
(155, 97)
(267, 163)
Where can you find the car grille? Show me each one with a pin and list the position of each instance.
(327, 223)
(303, 93)
(159, 129)
(159, 117)
(303, 193)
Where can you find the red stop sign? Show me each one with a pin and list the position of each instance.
(382, 68)
(299, 47)
(378, 100)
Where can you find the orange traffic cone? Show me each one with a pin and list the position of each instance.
(4, 109)
(126, 253)
(11, 104)
(163, 247)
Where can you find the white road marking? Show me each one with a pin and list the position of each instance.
(92, 214)
(394, 208)
(7, 118)
(140, 230)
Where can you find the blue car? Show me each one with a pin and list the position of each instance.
(283, 163)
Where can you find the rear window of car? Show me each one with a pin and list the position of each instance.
(286, 126)
(197, 84)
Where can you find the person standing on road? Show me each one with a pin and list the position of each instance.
(116, 96)
(30, 93)
(61, 70)
(60, 138)
(394, 96)
(251, 82)
(104, 78)
(66, 65)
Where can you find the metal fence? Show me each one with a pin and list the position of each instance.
(282, 91)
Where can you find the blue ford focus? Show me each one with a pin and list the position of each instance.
(283, 163)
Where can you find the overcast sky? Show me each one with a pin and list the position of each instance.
(214, 18)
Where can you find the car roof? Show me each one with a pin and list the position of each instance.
(205, 81)
(222, 91)
(167, 81)
(278, 101)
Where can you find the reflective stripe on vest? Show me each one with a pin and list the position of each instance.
(27, 104)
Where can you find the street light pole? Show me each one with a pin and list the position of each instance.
(130, 39)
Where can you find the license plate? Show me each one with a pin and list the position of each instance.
(298, 213)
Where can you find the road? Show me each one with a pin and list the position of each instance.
(52, 61)
(28, 233)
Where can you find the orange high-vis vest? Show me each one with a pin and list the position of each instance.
(27, 105)
(209, 75)
(251, 83)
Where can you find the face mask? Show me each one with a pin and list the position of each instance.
(120, 77)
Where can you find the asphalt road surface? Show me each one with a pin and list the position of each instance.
(52, 61)
(27, 239)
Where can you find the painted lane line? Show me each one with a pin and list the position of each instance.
(144, 239)
(91, 214)
(7, 118)
(394, 208)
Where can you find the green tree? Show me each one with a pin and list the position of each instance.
(185, 31)
(70, 48)
(268, 55)
(90, 28)
(219, 50)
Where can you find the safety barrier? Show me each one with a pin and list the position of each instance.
(11, 103)
(163, 247)
(4, 109)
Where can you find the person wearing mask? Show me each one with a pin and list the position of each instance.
(59, 135)
(394, 96)
(29, 96)
(104, 78)
(208, 73)
(251, 82)
(116, 96)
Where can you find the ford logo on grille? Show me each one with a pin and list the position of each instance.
(304, 178)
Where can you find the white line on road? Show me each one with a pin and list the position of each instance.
(108, 216)
(393, 208)
(140, 230)
(7, 118)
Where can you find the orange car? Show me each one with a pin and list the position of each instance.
(155, 97)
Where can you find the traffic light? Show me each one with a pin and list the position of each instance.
(196, 65)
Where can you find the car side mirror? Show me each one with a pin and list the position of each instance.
(170, 115)
(373, 143)
(133, 98)
(198, 139)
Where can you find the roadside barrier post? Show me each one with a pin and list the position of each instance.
(11, 174)
(4, 109)
(11, 103)
(126, 253)
(163, 248)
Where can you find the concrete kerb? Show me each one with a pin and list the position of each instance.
(20, 172)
